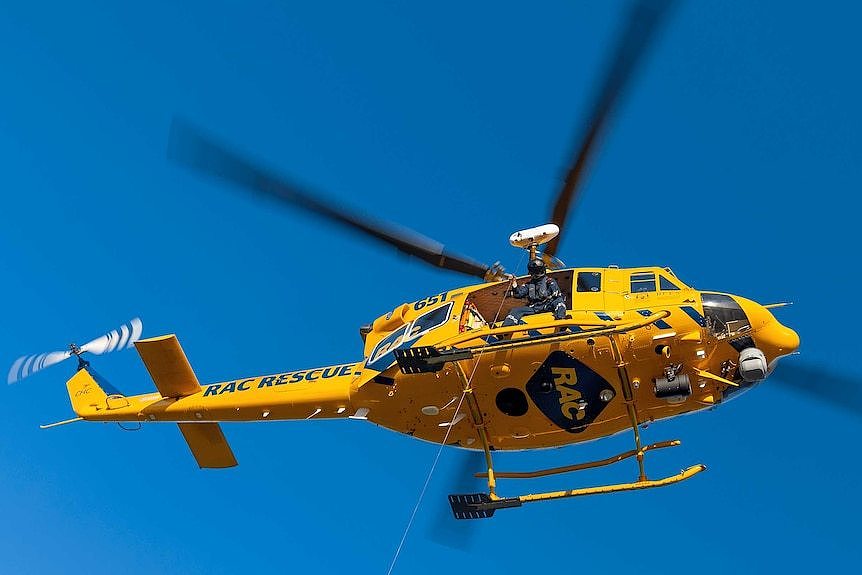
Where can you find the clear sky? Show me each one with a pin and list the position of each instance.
(734, 159)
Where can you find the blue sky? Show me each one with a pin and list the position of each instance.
(734, 159)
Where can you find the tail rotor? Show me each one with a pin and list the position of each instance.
(121, 338)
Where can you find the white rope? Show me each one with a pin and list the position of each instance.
(445, 439)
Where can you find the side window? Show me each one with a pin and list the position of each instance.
(383, 354)
(426, 322)
(589, 281)
(643, 282)
(666, 285)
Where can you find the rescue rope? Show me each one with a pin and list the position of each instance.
(445, 438)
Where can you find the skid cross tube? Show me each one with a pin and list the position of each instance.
(628, 396)
(479, 424)
(579, 466)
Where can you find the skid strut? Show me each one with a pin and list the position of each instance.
(483, 505)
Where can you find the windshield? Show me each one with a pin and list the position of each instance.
(723, 315)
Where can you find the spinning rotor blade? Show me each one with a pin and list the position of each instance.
(819, 383)
(123, 337)
(644, 20)
(27, 365)
(444, 528)
(194, 149)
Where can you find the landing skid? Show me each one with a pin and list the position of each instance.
(483, 505)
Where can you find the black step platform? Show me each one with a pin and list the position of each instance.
(427, 359)
(479, 505)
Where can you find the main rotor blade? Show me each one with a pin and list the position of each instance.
(644, 20)
(821, 384)
(456, 477)
(194, 149)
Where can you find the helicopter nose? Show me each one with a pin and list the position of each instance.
(780, 339)
(770, 335)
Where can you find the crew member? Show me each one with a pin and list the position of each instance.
(542, 293)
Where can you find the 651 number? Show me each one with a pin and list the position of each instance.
(430, 300)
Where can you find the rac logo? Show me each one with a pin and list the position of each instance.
(568, 392)
(571, 404)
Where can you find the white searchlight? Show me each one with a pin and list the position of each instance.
(534, 236)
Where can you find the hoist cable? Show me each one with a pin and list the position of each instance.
(445, 437)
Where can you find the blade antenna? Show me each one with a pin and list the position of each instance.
(643, 22)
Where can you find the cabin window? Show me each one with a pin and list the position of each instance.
(589, 281)
(666, 285)
(643, 282)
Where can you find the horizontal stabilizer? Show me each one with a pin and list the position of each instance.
(208, 445)
(168, 366)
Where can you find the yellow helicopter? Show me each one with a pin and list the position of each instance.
(634, 345)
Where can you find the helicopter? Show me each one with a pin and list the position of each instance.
(638, 345)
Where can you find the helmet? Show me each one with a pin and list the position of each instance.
(536, 268)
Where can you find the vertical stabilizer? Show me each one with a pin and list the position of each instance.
(86, 395)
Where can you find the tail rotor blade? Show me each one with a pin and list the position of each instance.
(27, 365)
(121, 338)
(644, 19)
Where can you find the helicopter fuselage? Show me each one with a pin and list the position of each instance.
(635, 339)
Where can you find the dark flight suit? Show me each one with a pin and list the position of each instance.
(543, 294)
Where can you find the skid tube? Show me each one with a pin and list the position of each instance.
(482, 505)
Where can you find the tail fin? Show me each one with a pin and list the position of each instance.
(208, 445)
(87, 397)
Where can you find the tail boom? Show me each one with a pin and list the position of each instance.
(318, 393)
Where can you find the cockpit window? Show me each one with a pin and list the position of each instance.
(589, 281)
(643, 282)
(429, 321)
(666, 285)
(723, 315)
(383, 354)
